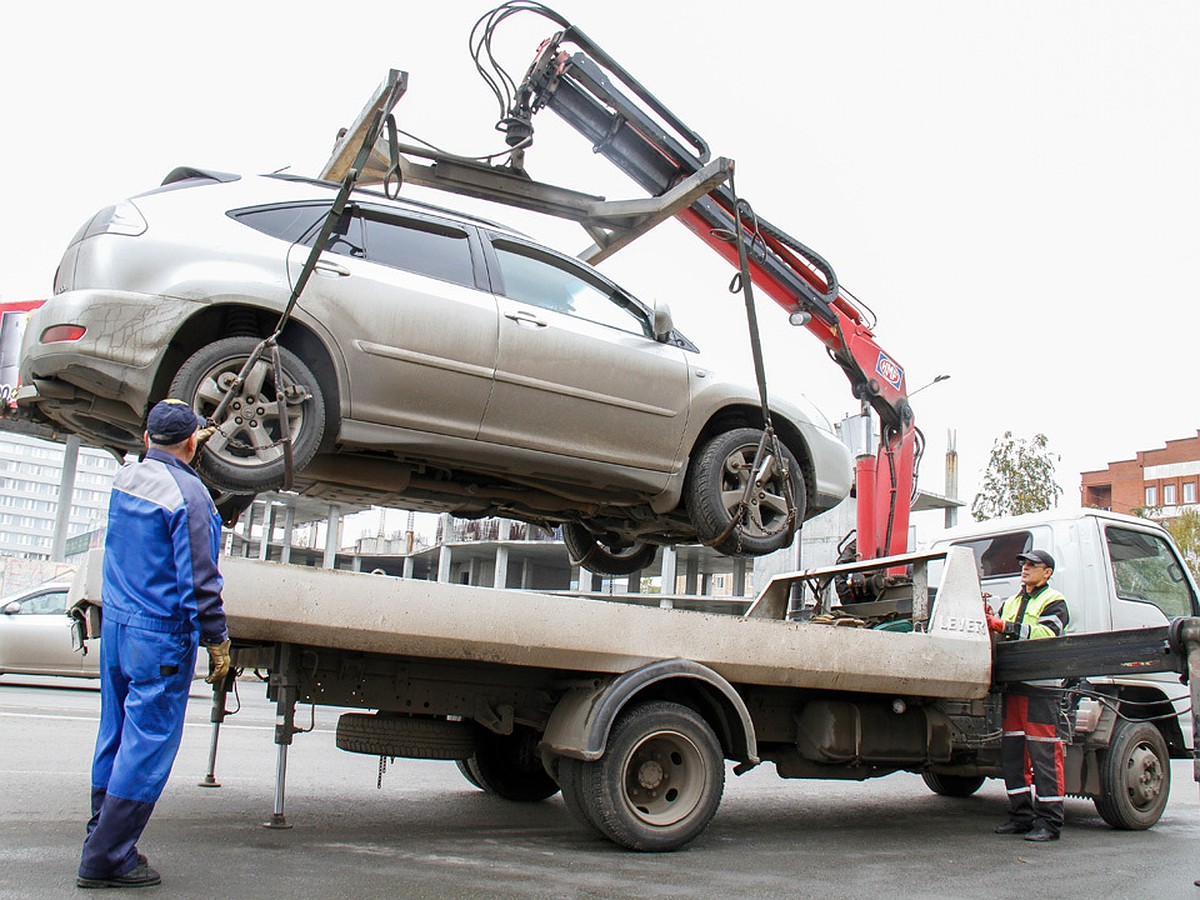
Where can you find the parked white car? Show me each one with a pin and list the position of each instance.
(35, 635)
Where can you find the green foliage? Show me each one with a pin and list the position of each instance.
(1019, 478)
(1185, 531)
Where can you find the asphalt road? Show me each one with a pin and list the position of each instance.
(428, 833)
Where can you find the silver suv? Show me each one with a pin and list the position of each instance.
(435, 361)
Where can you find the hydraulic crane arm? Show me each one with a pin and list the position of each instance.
(658, 152)
(635, 131)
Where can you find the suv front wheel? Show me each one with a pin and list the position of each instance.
(716, 486)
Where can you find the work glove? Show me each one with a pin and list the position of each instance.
(203, 434)
(995, 623)
(218, 661)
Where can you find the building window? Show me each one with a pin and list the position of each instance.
(1168, 495)
(1189, 492)
(1151, 495)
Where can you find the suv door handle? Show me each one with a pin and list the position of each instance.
(524, 317)
(330, 268)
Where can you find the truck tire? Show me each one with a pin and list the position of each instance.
(585, 549)
(243, 456)
(1135, 777)
(717, 476)
(404, 736)
(510, 766)
(570, 780)
(660, 780)
(467, 768)
(953, 785)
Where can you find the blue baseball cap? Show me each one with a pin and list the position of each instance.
(171, 421)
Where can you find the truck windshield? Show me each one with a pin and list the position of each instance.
(1146, 570)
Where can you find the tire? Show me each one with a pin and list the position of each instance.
(570, 780)
(953, 785)
(243, 456)
(716, 480)
(586, 550)
(510, 766)
(404, 736)
(467, 768)
(660, 780)
(1135, 777)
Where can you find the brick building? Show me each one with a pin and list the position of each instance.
(1163, 480)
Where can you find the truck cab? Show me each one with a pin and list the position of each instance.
(1117, 572)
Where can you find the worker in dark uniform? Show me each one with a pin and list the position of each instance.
(1031, 751)
(161, 595)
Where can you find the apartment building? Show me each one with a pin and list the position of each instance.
(1162, 481)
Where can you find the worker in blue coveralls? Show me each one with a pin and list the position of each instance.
(161, 595)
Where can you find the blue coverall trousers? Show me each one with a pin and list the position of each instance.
(144, 681)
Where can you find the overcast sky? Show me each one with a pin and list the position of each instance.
(1013, 188)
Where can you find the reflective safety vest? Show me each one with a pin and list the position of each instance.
(1041, 615)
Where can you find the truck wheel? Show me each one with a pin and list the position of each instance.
(510, 766)
(1135, 777)
(466, 767)
(588, 551)
(660, 779)
(570, 780)
(244, 455)
(953, 785)
(716, 481)
(404, 736)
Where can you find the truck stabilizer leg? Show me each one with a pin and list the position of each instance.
(284, 685)
(217, 716)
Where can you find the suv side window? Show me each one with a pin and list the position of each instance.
(289, 223)
(1146, 570)
(424, 248)
(544, 280)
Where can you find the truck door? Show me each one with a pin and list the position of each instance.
(1150, 581)
(579, 372)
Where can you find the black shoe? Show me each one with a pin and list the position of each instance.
(1042, 834)
(1013, 827)
(140, 876)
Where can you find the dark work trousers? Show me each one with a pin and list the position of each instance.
(144, 681)
(1032, 758)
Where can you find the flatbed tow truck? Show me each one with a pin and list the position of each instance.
(631, 712)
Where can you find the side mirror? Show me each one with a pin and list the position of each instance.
(663, 323)
(13, 608)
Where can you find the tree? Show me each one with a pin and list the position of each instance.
(1019, 478)
(1185, 530)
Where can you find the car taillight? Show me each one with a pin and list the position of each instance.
(124, 218)
(63, 333)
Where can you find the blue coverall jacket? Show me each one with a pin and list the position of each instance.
(161, 595)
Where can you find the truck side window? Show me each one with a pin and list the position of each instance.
(996, 556)
(1146, 570)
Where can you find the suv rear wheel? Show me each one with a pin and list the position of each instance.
(246, 453)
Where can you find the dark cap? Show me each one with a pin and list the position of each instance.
(1037, 556)
(172, 421)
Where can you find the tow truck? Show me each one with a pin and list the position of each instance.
(631, 712)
